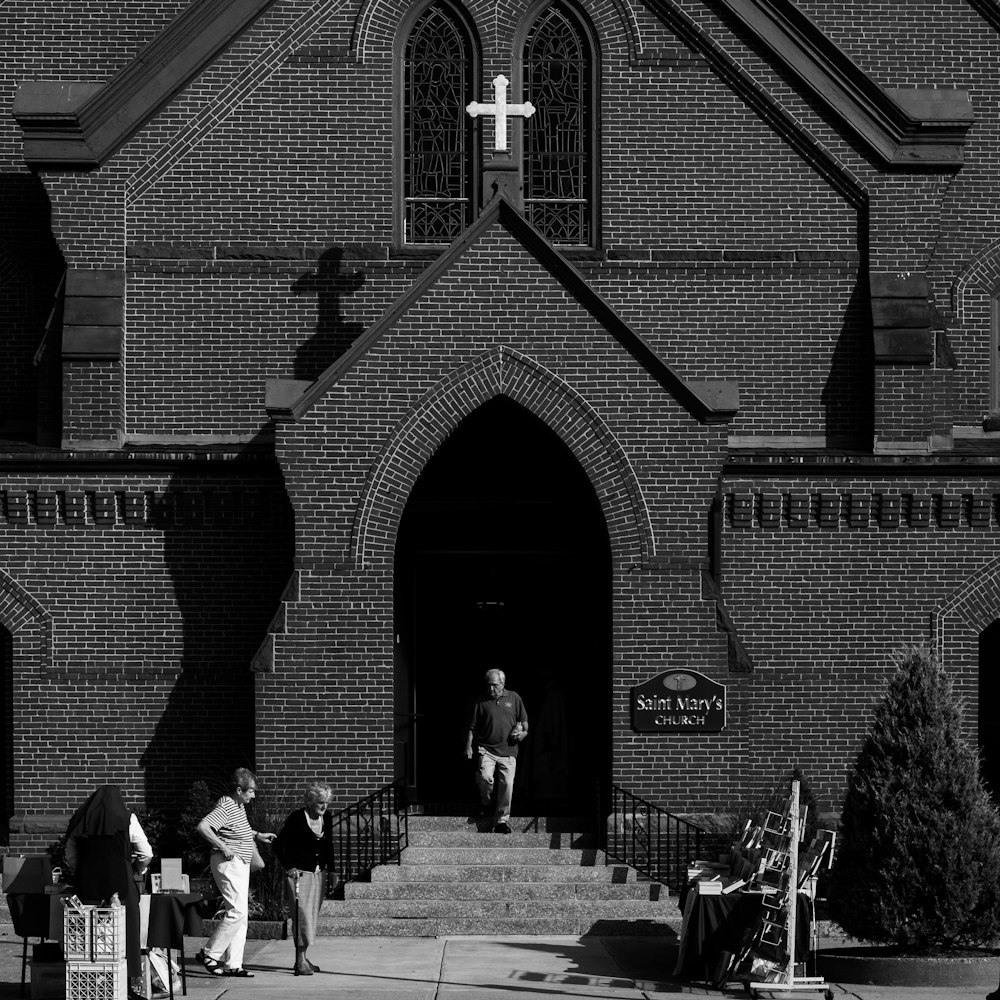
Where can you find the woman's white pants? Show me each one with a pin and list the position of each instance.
(229, 939)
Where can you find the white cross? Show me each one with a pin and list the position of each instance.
(500, 109)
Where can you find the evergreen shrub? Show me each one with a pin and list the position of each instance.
(918, 855)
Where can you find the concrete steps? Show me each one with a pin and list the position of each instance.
(510, 856)
(576, 926)
(522, 909)
(507, 890)
(545, 878)
(473, 839)
(501, 873)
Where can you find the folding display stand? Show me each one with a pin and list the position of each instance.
(781, 873)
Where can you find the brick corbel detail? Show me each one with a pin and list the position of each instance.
(93, 317)
(913, 385)
(829, 510)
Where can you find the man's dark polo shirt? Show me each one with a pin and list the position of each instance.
(493, 719)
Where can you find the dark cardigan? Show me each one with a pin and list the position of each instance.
(298, 847)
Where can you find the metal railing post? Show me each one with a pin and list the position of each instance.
(665, 861)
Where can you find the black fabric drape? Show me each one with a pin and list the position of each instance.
(104, 861)
(102, 815)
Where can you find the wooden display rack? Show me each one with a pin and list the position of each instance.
(781, 871)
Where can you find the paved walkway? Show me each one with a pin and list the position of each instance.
(474, 968)
(508, 968)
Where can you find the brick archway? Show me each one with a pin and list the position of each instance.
(29, 624)
(523, 380)
(26, 652)
(958, 620)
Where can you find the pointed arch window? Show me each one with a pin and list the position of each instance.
(440, 67)
(560, 140)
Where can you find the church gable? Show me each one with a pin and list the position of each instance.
(500, 314)
(259, 365)
(512, 284)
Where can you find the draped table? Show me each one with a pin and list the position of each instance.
(35, 914)
(164, 919)
(714, 927)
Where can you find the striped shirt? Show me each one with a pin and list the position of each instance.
(229, 822)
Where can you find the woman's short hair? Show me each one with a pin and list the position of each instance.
(318, 790)
(243, 778)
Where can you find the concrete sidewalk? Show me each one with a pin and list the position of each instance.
(504, 968)
(474, 968)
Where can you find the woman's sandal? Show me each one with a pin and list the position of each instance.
(214, 967)
(240, 973)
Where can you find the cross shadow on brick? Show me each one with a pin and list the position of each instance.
(333, 335)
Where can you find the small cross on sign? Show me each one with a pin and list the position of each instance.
(500, 109)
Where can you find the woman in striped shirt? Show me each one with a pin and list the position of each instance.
(229, 832)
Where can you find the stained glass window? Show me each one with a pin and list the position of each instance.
(559, 139)
(438, 178)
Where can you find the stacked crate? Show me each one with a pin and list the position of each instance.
(94, 945)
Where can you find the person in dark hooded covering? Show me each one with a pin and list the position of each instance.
(106, 848)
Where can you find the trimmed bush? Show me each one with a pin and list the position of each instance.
(918, 859)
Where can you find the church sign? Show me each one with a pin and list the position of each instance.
(679, 701)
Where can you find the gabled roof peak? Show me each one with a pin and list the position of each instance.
(710, 402)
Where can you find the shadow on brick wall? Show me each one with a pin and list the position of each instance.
(333, 336)
(848, 397)
(31, 266)
(228, 541)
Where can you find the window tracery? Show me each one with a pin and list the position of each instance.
(559, 143)
(439, 69)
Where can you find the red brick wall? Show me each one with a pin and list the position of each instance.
(412, 387)
(136, 601)
(821, 607)
(256, 216)
(92, 402)
(196, 195)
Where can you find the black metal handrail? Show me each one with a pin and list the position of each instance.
(373, 831)
(651, 840)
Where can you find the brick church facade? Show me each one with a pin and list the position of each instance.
(314, 404)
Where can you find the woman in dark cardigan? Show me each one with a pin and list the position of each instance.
(305, 848)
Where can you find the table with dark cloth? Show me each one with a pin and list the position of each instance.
(171, 916)
(36, 914)
(714, 927)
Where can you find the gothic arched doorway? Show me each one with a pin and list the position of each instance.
(989, 695)
(503, 559)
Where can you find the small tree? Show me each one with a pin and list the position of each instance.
(918, 858)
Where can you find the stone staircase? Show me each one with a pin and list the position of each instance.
(545, 878)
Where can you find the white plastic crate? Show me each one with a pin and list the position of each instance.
(97, 980)
(95, 934)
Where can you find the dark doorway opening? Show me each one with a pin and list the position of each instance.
(503, 560)
(6, 733)
(989, 694)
